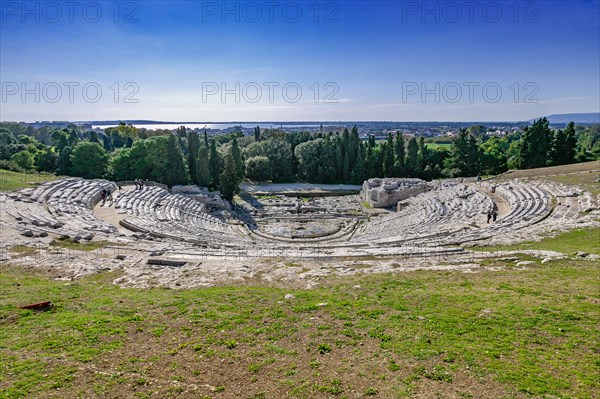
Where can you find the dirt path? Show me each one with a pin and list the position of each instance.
(110, 214)
(501, 205)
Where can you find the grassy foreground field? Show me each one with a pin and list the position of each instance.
(10, 180)
(512, 333)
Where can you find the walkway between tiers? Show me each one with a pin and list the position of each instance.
(110, 214)
(502, 206)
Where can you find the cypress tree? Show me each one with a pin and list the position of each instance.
(181, 138)
(412, 157)
(73, 138)
(94, 137)
(559, 144)
(346, 156)
(388, 157)
(193, 141)
(399, 155)
(257, 134)
(215, 164)
(202, 169)
(423, 154)
(237, 159)
(534, 146)
(353, 146)
(570, 143)
(372, 142)
(358, 172)
(369, 162)
(345, 140)
(339, 159)
(229, 182)
(117, 140)
(106, 143)
(379, 159)
(176, 172)
(346, 169)
(63, 161)
(327, 157)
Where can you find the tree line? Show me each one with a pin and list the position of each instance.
(221, 162)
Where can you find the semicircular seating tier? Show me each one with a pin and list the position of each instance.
(431, 217)
(448, 214)
(63, 207)
(158, 213)
(452, 214)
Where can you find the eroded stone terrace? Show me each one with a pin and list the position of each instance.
(277, 238)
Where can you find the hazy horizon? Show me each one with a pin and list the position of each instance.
(111, 122)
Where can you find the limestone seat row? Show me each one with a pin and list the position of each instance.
(155, 211)
(430, 216)
(63, 206)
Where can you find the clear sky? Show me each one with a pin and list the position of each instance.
(298, 61)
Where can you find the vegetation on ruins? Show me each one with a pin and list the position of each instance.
(182, 157)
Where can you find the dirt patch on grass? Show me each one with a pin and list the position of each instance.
(421, 334)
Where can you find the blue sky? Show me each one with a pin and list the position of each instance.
(298, 61)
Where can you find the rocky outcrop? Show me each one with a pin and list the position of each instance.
(383, 193)
(202, 195)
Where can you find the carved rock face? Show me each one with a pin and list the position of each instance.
(384, 193)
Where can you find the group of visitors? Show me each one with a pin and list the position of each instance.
(106, 195)
(139, 184)
(493, 215)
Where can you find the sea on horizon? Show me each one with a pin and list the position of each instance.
(209, 126)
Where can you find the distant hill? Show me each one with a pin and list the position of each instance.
(581, 118)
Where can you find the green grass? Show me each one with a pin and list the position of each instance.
(585, 240)
(69, 243)
(512, 333)
(266, 197)
(435, 146)
(10, 180)
(589, 181)
(582, 174)
(22, 250)
(439, 140)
